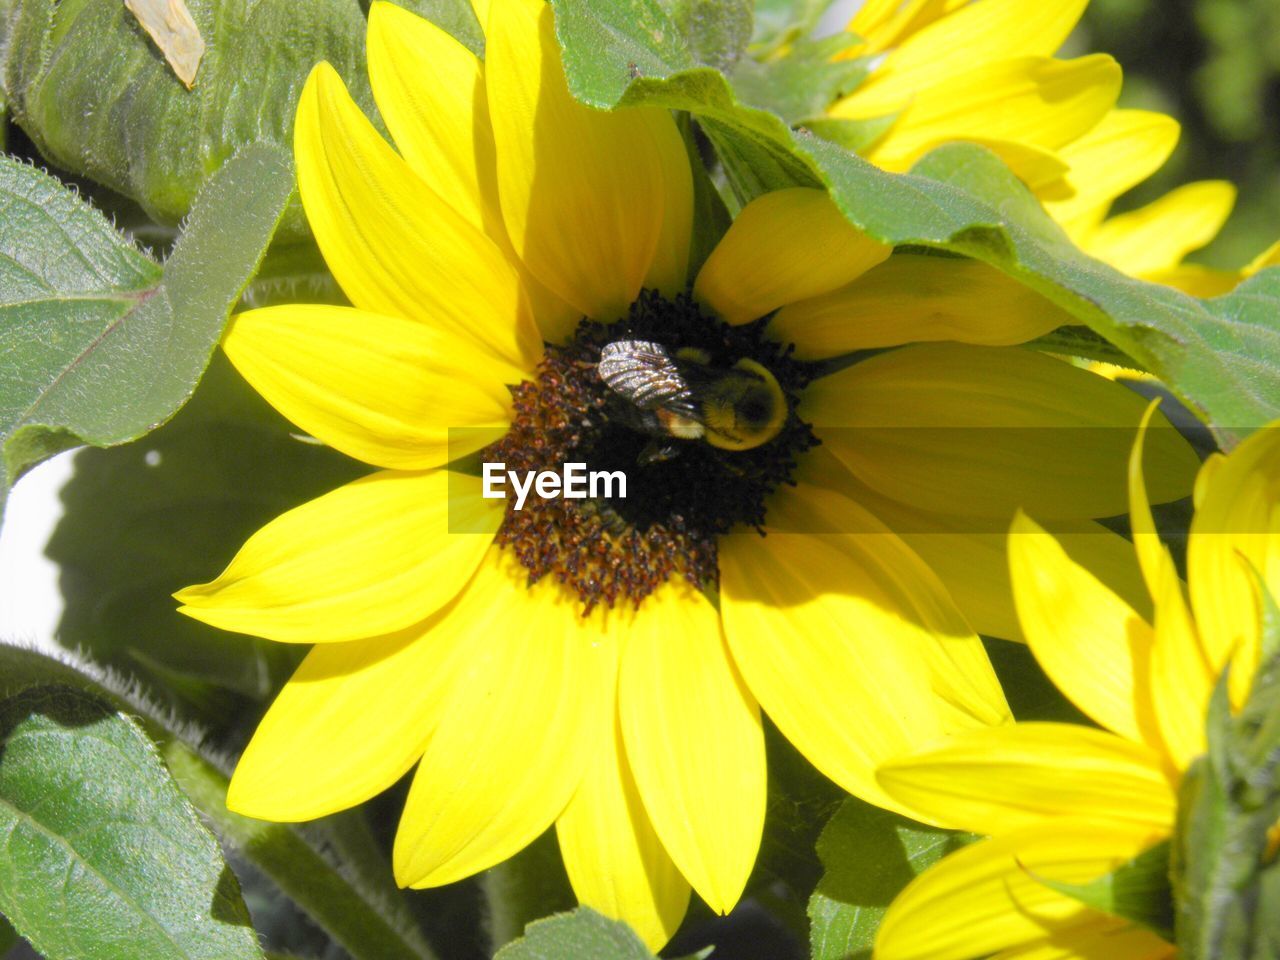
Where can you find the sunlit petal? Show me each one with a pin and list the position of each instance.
(911, 298)
(587, 232)
(371, 557)
(986, 897)
(1091, 643)
(784, 246)
(982, 431)
(516, 729)
(1002, 778)
(694, 742)
(393, 244)
(390, 392)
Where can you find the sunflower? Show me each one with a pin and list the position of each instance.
(600, 665)
(984, 72)
(1069, 802)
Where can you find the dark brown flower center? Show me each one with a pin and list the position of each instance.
(683, 490)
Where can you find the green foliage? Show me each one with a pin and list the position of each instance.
(1225, 871)
(869, 855)
(716, 31)
(779, 22)
(800, 84)
(582, 933)
(101, 344)
(1215, 67)
(959, 198)
(310, 867)
(97, 98)
(1138, 890)
(105, 858)
(145, 519)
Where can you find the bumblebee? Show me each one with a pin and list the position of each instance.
(682, 394)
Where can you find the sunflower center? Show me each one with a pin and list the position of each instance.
(699, 416)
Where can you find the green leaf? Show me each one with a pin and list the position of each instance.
(100, 344)
(582, 933)
(97, 98)
(800, 84)
(711, 217)
(455, 17)
(147, 518)
(525, 887)
(369, 925)
(869, 855)
(104, 856)
(780, 21)
(1224, 864)
(1083, 342)
(854, 135)
(1138, 890)
(303, 863)
(1221, 357)
(717, 31)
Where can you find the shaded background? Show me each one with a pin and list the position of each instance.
(1215, 66)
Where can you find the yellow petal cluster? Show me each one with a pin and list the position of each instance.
(1068, 802)
(984, 71)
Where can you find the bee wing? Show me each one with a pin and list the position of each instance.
(645, 374)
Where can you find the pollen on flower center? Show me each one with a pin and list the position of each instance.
(698, 414)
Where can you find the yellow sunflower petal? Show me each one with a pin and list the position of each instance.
(1236, 524)
(911, 298)
(1041, 169)
(1269, 257)
(1002, 778)
(971, 557)
(985, 32)
(430, 91)
(517, 726)
(613, 856)
(371, 557)
(982, 431)
(986, 897)
(1146, 541)
(1125, 148)
(1032, 100)
(1197, 280)
(1108, 939)
(1181, 680)
(1156, 237)
(694, 742)
(1092, 644)
(354, 717)
(442, 127)
(848, 641)
(393, 244)
(884, 23)
(584, 192)
(784, 246)
(380, 389)
(963, 681)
